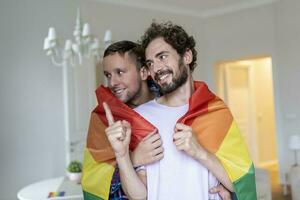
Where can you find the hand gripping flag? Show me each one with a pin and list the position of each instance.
(217, 131)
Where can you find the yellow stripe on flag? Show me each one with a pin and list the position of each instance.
(96, 177)
(233, 154)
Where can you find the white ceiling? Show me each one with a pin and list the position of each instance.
(196, 8)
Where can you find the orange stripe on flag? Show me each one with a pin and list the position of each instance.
(212, 127)
(97, 141)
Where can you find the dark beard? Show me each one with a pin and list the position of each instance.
(176, 81)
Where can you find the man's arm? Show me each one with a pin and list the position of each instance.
(118, 134)
(132, 184)
(184, 140)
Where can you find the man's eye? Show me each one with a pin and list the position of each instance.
(149, 64)
(162, 57)
(108, 76)
(120, 72)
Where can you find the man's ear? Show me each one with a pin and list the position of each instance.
(188, 57)
(144, 73)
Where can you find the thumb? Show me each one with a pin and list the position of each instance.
(214, 190)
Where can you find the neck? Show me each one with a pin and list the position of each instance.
(180, 96)
(144, 96)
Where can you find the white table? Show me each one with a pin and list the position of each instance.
(40, 190)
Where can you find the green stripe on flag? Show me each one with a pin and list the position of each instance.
(89, 196)
(245, 187)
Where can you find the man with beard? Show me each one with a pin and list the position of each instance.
(127, 80)
(200, 138)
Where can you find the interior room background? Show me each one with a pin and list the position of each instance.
(31, 119)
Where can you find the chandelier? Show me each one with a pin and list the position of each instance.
(84, 44)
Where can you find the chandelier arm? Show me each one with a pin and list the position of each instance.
(72, 61)
(55, 63)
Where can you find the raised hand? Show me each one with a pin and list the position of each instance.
(149, 150)
(118, 133)
(185, 140)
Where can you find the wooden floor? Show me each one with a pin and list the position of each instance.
(277, 189)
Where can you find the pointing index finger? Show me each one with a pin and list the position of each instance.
(109, 116)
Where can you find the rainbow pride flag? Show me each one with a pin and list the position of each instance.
(211, 121)
(56, 194)
(99, 159)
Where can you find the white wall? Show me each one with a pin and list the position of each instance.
(31, 146)
(31, 120)
(238, 35)
(287, 36)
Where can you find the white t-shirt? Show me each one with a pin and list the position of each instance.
(177, 175)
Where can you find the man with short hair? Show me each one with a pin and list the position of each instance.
(127, 77)
(197, 130)
(127, 80)
(125, 73)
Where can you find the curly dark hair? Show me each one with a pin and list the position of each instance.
(121, 47)
(174, 35)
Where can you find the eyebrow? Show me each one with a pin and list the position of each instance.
(157, 55)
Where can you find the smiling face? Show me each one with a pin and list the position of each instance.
(166, 66)
(123, 78)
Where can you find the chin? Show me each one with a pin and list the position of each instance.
(124, 100)
(166, 85)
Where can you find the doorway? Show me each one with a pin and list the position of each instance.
(247, 88)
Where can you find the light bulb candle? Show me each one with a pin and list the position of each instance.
(68, 45)
(86, 30)
(46, 44)
(107, 36)
(51, 34)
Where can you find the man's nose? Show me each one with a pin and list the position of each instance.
(157, 65)
(114, 81)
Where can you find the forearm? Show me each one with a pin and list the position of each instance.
(131, 183)
(212, 163)
(135, 162)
